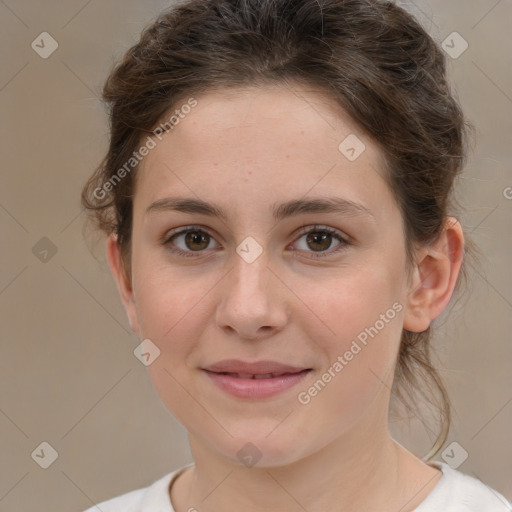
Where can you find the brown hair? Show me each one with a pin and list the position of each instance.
(370, 56)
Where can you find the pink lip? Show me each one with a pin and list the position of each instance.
(256, 368)
(256, 388)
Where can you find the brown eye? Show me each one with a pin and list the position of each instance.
(188, 241)
(196, 240)
(319, 240)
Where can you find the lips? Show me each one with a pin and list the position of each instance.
(256, 387)
(254, 381)
(253, 375)
(253, 370)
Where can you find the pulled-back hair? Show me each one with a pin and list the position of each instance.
(371, 56)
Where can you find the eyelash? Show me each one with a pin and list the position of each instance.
(344, 243)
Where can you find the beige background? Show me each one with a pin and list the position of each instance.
(68, 374)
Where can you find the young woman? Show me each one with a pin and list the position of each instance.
(277, 200)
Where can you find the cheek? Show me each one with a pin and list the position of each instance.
(354, 300)
(170, 314)
(166, 297)
(360, 368)
(363, 312)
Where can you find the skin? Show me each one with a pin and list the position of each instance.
(244, 151)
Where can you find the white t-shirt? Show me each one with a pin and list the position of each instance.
(454, 492)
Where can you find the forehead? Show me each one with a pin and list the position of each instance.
(299, 115)
(243, 144)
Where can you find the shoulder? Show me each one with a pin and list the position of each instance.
(154, 498)
(128, 502)
(459, 492)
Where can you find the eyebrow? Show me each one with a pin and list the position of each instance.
(288, 209)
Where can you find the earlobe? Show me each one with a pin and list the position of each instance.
(434, 277)
(124, 285)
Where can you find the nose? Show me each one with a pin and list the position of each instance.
(253, 300)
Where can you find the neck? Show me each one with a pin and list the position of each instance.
(362, 470)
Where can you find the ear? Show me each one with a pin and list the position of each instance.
(434, 277)
(124, 284)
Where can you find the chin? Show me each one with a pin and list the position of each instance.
(260, 450)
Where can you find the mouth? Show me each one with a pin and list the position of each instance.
(256, 385)
(257, 375)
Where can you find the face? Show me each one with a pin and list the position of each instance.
(321, 290)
